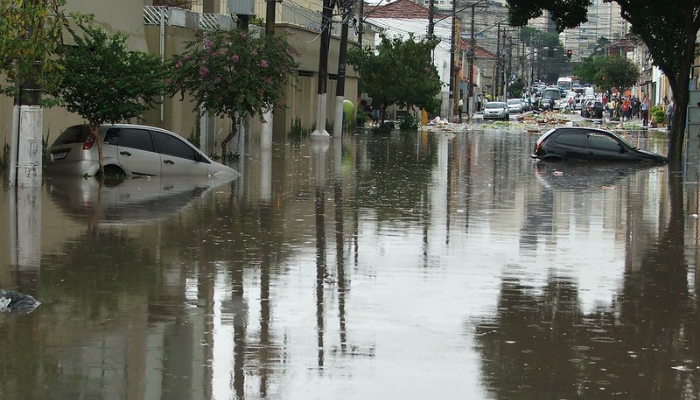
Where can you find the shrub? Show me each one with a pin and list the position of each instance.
(4, 156)
(408, 123)
(657, 114)
(297, 132)
(362, 116)
(383, 129)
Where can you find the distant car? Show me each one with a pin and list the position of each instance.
(515, 106)
(496, 110)
(131, 150)
(589, 144)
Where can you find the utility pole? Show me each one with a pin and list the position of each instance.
(323, 69)
(266, 132)
(505, 70)
(270, 18)
(510, 65)
(497, 75)
(453, 90)
(361, 23)
(26, 144)
(342, 56)
(471, 54)
(431, 19)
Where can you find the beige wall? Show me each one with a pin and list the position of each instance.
(125, 16)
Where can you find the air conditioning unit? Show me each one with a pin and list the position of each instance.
(241, 7)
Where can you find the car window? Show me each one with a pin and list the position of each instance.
(572, 138)
(136, 139)
(602, 142)
(173, 146)
(74, 134)
(112, 136)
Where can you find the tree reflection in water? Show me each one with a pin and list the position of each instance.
(542, 345)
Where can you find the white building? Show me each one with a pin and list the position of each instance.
(604, 20)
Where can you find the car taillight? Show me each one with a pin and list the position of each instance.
(89, 141)
(538, 146)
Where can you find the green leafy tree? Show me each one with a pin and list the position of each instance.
(233, 74)
(607, 72)
(104, 82)
(401, 72)
(30, 37)
(668, 30)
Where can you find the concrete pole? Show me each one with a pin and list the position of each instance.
(454, 91)
(266, 133)
(320, 130)
(340, 88)
(472, 53)
(27, 139)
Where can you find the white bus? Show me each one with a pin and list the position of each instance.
(564, 84)
(551, 93)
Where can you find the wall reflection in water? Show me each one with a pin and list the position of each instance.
(417, 266)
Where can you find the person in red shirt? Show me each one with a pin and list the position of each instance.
(626, 109)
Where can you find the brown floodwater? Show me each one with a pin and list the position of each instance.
(425, 266)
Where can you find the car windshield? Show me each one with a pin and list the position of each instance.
(494, 104)
(514, 101)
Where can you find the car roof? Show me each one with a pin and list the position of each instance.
(107, 126)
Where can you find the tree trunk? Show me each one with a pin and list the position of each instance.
(680, 85)
(225, 142)
(94, 130)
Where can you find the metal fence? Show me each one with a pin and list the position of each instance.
(170, 16)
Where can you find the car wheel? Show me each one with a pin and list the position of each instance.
(553, 158)
(114, 171)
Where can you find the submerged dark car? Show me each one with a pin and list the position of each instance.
(589, 144)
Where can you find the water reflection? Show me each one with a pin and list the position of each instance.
(457, 261)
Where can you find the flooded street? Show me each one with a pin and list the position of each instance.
(415, 266)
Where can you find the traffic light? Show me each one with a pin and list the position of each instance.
(569, 53)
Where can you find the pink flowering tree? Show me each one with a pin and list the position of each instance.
(233, 73)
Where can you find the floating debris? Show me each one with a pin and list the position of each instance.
(12, 301)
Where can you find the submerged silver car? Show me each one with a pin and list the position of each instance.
(131, 150)
(496, 110)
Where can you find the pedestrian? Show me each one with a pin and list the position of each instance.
(635, 107)
(644, 108)
(626, 110)
(460, 107)
(669, 115)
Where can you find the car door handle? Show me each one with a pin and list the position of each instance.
(125, 153)
(169, 162)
